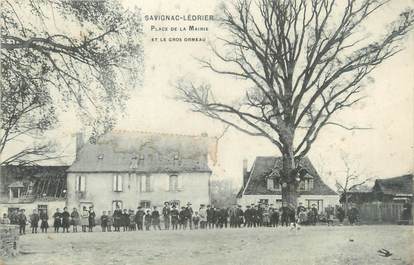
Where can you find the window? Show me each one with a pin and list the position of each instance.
(146, 185)
(15, 192)
(302, 185)
(116, 203)
(80, 184)
(173, 183)
(270, 184)
(310, 183)
(264, 201)
(145, 204)
(118, 183)
(42, 208)
(317, 203)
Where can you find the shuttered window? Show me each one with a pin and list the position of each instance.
(173, 183)
(270, 184)
(80, 184)
(117, 185)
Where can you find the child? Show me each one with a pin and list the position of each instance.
(174, 217)
(84, 220)
(34, 221)
(22, 222)
(104, 221)
(132, 224)
(5, 220)
(109, 222)
(147, 219)
(65, 220)
(57, 223)
(196, 220)
(44, 225)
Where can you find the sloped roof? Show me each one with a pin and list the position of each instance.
(16, 184)
(396, 185)
(263, 166)
(123, 151)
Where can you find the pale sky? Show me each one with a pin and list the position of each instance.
(385, 151)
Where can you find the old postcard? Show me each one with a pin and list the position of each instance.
(207, 132)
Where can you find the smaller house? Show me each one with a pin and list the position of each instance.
(32, 187)
(396, 189)
(390, 200)
(261, 186)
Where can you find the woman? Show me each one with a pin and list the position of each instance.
(117, 218)
(91, 220)
(75, 218)
(84, 218)
(44, 225)
(65, 220)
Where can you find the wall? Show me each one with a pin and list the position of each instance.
(99, 190)
(328, 200)
(9, 240)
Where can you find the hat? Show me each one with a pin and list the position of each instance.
(188, 203)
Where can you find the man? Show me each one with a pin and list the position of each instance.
(57, 216)
(34, 221)
(223, 217)
(183, 218)
(189, 215)
(314, 214)
(274, 217)
(166, 212)
(174, 217)
(22, 219)
(239, 215)
(155, 218)
(254, 215)
(139, 218)
(248, 216)
(91, 219)
(210, 216)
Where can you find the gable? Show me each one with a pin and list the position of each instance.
(263, 166)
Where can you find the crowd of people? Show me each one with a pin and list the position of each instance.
(173, 217)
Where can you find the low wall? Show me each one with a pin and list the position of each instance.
(9, 240)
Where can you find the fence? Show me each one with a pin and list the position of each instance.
(9, 240)
(380, 212)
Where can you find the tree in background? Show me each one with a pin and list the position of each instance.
(304, 60)
(54, 54)
(352, 182)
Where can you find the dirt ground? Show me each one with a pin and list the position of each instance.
(262, 246)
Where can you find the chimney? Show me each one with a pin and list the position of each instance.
(79, 142)
(245, 174)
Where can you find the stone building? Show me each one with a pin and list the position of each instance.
(136, 168)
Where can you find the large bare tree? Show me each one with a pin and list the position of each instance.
(63, 55)
(305, 61)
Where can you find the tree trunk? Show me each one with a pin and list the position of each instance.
(289, 184)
